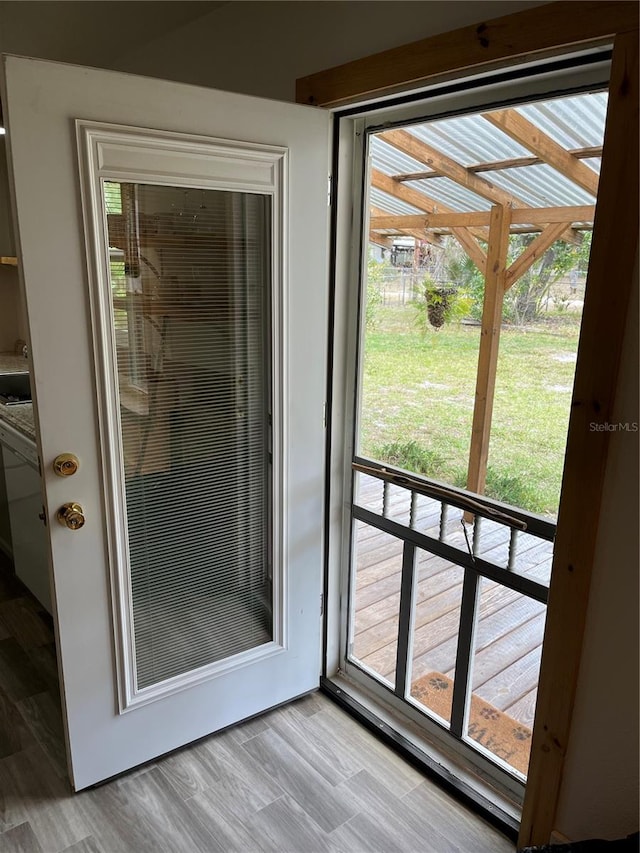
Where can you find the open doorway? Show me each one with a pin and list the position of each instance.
(473, 275)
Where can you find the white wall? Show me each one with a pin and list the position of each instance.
(260, 48)
(90, 33)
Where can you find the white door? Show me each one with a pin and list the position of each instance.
(173, 246)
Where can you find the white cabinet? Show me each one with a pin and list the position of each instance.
(24, 500)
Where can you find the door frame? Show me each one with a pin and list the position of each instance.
(531, 81)
(546, 31)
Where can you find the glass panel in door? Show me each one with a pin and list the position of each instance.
(190, 285)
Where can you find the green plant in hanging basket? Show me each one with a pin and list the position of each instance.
(436, 304)
(439, 305)
(439, 301)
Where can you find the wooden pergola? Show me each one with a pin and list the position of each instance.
(484, 233)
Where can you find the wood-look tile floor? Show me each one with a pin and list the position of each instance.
(302, 778)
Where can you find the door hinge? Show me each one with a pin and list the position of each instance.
(324, 415)
(322, 603)
(330, 191)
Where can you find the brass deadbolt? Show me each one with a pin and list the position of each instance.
(66, 464)
(71, 516)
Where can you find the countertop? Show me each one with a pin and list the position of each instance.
(20, 417)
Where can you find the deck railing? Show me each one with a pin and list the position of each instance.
(485, 538)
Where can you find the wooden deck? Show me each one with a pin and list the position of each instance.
(509, 628)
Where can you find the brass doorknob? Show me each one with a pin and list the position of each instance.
(66, 464)
(71, 516)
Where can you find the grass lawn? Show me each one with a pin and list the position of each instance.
(417, 403)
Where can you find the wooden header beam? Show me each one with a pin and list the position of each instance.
(497, 43)
(436, 220)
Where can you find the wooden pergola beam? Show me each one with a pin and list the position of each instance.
(530, 216)
(439, 220)
(494, 289)
(430, 156)
(383, 240)
(411, 196)
(568, 214)
(499, 165)
(571, 236)
(471, 247)
(527, 134)
(533, 252)
(435, 159)
(417, 234)
(407, 194)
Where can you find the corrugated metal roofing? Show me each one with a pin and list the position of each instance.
(450, 194)
(541, 186)
(389, 160)
(573, 122)
(389, 204)
(469, 140)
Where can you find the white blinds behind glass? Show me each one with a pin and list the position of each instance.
(191, 293)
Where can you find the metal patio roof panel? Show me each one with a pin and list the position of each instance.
(451, 194)
(542, 186)
(469, 140)
(389, 160)
(576, 121)
(391, 205)
(573, 122)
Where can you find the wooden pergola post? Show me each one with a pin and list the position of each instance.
(495, 284)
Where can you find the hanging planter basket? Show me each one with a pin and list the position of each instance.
(439, 301)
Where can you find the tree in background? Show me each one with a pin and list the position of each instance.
(526, 300)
